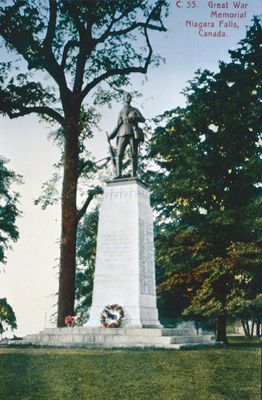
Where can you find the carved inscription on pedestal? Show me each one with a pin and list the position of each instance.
(115, 249)
(146, 257)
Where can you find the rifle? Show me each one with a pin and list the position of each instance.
(112, 152)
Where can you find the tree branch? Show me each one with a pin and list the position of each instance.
(38, 110)
(86, 45)
(108, 74)
(57, 73)
(69, 44)
(114, 21)
(51, 64)
(154, 15)
(127, 70)
(129, 29)
(51, 23)
(91, 194)
(121, 71)
(70, 8)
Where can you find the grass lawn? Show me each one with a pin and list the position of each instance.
(231, 373)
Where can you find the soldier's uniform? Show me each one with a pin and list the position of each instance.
(128, 132)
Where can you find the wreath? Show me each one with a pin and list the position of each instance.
(112, 316)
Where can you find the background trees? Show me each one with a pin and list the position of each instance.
(8, 230)
(78, 46)
(7, 316)
(207, 190)
(8, 208)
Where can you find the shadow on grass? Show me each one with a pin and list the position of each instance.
(241, 341)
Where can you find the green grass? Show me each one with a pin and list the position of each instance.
(228, 373)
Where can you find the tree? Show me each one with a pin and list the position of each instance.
(7, 315)
(208, 183)
(8, 208)
(79, 45)
(245, 300)
(228, 288)
(8, 230)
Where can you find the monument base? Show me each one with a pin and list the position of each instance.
(125, 269)
(88, 337)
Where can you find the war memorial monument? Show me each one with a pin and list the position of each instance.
(124, 309)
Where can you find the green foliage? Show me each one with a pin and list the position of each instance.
(86, 253)
(229, 286)
(50, 193)
(207, 189)
(8, 208)
(7, 314)
(8, 229)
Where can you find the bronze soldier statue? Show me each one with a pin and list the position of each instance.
(127, 132)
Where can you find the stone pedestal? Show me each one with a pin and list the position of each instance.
(125, 270)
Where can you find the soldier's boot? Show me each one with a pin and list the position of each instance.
(118, 167)
(134, 166)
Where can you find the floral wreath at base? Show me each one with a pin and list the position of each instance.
(112, 316)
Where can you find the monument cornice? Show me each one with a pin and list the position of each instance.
(127, 181)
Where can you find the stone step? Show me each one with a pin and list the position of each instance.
(179, 332)
(95, 345)
(99, 337)
(120, 331)
(116, 339)
(191, 339)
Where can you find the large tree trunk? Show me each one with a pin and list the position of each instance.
(221, 334)
(66, 293)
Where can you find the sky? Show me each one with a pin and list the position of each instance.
(29, 279)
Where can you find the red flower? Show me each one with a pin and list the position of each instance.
(69, 320)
